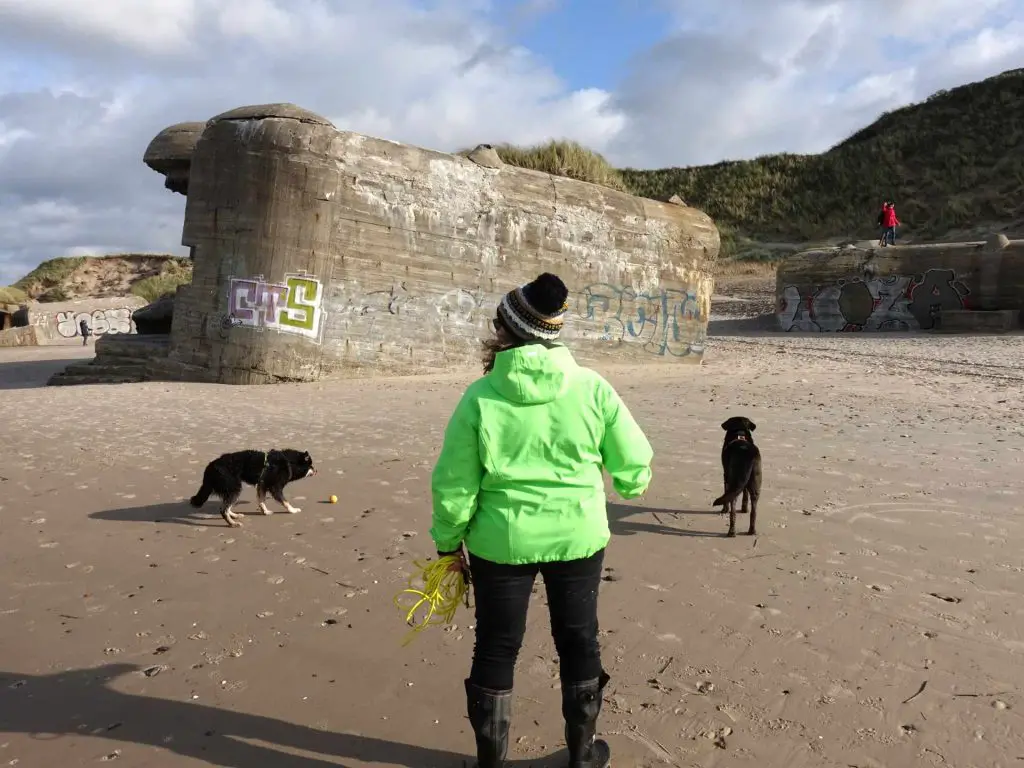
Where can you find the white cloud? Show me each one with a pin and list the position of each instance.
(987, 48)
(85, 86)
(152, 25)
(741, 78)
(10, 135)
(926, 20)
(875, 92)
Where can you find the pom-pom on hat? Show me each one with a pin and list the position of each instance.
(536, 310)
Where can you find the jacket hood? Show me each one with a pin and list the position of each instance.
(532, 373)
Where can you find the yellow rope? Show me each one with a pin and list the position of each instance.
(439, 588)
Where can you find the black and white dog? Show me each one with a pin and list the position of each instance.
(270, 471)
(741, 465)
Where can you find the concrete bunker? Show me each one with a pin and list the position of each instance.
(950, 287)
(13, 316)
(320, 252)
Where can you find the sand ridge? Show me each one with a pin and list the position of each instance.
(874, 622)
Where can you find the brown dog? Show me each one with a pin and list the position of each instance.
(741, 464)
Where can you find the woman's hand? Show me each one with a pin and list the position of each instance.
(459, 564)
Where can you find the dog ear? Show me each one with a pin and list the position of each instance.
(725, 425)
(750, 425)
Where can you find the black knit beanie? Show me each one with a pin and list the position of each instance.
(536, 310)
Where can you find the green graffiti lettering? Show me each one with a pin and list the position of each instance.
(302, 301)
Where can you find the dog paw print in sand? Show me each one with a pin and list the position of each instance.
(396, 549)
(610, 575)
(226, 685)
(271, 578)
(718, 736)
(334, 616)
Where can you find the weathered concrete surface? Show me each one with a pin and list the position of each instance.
(57, 322)
(27, 336)
(978, 321)
(155, 318)
(13, 316)
(485, 155)
(120, 359)
(901, 288)
(170, 154)
(320, 252)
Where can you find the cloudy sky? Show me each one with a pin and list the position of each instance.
(84, 85)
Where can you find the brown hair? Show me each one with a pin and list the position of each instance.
(502, 340)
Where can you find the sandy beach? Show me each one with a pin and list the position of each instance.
(876, 621)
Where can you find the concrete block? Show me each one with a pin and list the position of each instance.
(27, 336)
(968, 321)
(120, 358)
(900, 288)
(58, 322)
(319, 252)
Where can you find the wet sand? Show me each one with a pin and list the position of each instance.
(876, 621)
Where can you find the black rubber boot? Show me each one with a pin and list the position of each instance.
(581, 705)
(490, 714)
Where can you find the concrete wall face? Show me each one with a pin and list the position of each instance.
(27, 336)
(319, 252)
(58, 322)
(903, 288)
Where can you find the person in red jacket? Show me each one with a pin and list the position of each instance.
(890, 222)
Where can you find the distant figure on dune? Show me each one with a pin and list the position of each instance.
(889, 223)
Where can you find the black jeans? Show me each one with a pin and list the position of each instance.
(502, 596)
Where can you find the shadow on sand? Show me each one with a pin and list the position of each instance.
(182, 513)
(621, 526)
(32, 374)
(177, 512)
(82, 702)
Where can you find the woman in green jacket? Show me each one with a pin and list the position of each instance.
(519, 483)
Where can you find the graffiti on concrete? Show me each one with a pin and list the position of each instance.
(294, 306)
(101, 322)
(457, 305)
(662, 322)
(893, 303)
(218, 325)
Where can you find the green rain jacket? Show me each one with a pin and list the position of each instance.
(519, 476)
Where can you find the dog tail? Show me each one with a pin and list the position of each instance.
(202, 495)
(733, 493)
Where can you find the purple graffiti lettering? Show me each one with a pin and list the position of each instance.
(272, 295)
(242, 300)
